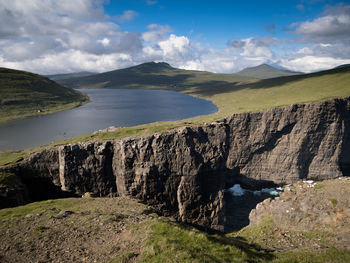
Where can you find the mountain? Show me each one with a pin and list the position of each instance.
(25, 94)
(343, 66)
(151, 75)
(70, 75)
(265, 71)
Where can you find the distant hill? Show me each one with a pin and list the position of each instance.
(69, 75)
(265, 71)
(25, 94)
(343, 66)
(151, 75)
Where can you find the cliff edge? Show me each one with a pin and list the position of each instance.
(183, 172)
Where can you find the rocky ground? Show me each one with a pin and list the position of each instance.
(72, 230)
(308, 215)
(309, 222)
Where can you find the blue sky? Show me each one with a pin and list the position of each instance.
(65, 36)
(217, 21)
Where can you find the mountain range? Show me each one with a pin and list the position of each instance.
(151, 75)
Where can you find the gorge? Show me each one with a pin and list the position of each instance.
(184, 172)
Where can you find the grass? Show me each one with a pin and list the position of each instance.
(269, 236)
(24, 94)
(7, 157)
(334, 201)
(318, 186)
(331, 255)
(160, 239)
(230, 98)
(174, 242)
(41, 228)
(47, 206)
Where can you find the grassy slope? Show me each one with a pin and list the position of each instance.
(265, 71)
(58, 77)
(248, 96)
(22, 94)
(122, 230)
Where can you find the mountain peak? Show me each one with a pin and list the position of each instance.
(152, 66)
(265, 71)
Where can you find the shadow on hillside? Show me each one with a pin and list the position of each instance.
(254, 252)
(259, 84)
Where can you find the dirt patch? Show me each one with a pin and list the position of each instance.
(95, 230)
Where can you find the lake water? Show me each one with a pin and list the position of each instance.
(108, 107)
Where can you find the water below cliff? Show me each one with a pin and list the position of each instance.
(108, 107)
(239, 202)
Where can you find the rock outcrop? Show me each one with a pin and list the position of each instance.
(183, 172)
(310, 206)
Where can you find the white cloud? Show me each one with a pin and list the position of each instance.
(175, 46)
(127, 15)
(156, 33)
(151, 2)
(254, 46)
(105, 41)
(333, 26)
(311, 63)
(36, 29)
(72, 61)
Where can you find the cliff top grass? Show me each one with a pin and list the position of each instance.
(24, 94)
(230, 98)
(122, 230)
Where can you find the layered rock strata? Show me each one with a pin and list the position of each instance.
(183, 172)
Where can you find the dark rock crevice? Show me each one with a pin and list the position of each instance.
(344, 159)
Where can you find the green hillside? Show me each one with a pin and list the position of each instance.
(230, 98)
(256, 95)
(151, 75)
(265, 71)
(24, 94)
(57, 77)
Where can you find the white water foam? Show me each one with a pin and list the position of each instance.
(237, 190)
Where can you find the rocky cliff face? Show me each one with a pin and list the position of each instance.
(183, 172)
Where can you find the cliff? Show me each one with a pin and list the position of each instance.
(183, 172)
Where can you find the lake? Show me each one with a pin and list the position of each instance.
(108, 107)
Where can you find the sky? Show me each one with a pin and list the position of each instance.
(223, 36)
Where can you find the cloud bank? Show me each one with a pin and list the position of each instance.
(69, 36)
